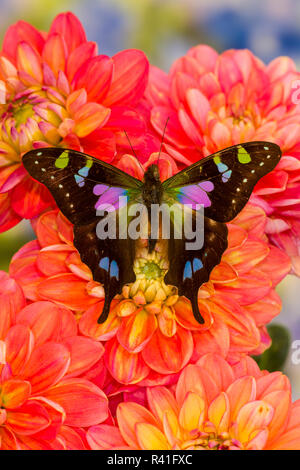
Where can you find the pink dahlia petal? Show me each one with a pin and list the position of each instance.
(21, 31)
(105, 437)
(10, 176)
(30, 198)
(78, 56)
(95, 75)
(12, 300)
(8, 217)
(129, 82)
(68, 26)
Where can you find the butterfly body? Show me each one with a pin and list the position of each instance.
(219, 185)
(152, 194)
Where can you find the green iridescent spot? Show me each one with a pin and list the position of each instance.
(151, 270)
(62, 161)
(217, 159)
(243, 156)
(89, 162)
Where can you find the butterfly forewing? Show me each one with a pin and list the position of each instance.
(81, 185)
(78, 181)
(224, 181)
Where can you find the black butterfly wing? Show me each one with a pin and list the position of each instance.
(222, 184)
(81, 184)
(73, 178)
(224, 181)
(189, 269)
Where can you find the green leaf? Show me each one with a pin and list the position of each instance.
(274, 358)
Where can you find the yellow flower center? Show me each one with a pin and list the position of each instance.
(22, 113)
(211, 441)
(151, 270)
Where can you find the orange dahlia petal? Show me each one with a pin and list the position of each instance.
(90, 116)
(54, 52)
(14, 393)
(150, 437)
(29, 61)
(68, 290)
(47, 364)
(88, 322)
(126, 367)
(105, 437)
(28, 419)
(84, 352)
(128, 416)
(19, 346)
(136, 331)
(75, 395)
(168, 355)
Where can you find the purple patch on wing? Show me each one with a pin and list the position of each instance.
(99, 189)
(206, 185)
(193, 195)
(111, 196)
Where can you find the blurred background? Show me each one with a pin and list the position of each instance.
(165, 30)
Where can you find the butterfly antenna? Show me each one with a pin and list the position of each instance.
(133, 151)
(162, 139)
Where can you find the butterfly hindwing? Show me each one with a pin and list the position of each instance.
(81, 185)
(189, 269)
(111, 261)
(224, 181)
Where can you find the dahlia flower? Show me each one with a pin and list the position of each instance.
(45, 397)
(150, 333)
(60, 92)
(214, 101)
(214, 406)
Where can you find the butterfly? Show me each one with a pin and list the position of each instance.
(221, 184)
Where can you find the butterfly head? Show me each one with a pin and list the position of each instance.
(152, 174)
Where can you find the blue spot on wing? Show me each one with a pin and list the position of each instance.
(222, 167)
(114, 270)
(79, 180)
(197, 264)
(187, 273)
(104, 263)
(226, 176)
